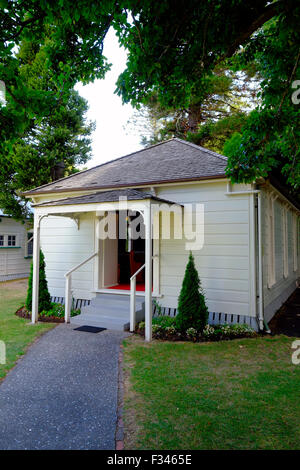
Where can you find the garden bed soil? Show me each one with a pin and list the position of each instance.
(198, 339)
(23, 313)
(286, 321)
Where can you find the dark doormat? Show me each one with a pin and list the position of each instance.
(90, 329)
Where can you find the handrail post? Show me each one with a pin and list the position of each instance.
(133, 296)
(148, 274)
(132, 303)
(36, 267)
(68, 298)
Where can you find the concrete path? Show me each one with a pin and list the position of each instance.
(63, 393)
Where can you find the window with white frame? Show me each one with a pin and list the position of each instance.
(11, 240)
(295, 242)
(285, 241)
(29, 244)
(7, 241)
(271, 242)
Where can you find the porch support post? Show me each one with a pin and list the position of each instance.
(148, 272)
(132, 303)
(156, 236)
(68, 298)
(36, 268)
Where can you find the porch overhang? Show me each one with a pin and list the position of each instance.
(99, 203)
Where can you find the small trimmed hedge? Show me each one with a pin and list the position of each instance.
(44, 295)
(165, 328)
(56, 313)
(192, 308)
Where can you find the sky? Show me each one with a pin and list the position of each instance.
(110, 139)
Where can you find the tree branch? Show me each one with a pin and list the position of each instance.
(22, 25)
(289, 83)
(138, 30)
(270, 11)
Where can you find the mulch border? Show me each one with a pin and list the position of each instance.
(23, 313)
(177, 337)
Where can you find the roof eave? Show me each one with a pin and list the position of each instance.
(146, 183)
(282, 189)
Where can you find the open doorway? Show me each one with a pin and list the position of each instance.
(131, 256)
(122, 257)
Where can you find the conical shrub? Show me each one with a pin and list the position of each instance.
(192, 309)
(44, 296)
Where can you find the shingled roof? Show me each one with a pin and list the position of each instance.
(167, 162)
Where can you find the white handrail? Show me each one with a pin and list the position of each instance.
(68, 277)
(138, 271)
(81, 264)
(133, 296)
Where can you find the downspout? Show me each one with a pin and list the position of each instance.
(260, 266)
(255, 193)
(262, 323)
(252, 255)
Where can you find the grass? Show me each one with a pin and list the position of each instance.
(17, 333)
(241, 394)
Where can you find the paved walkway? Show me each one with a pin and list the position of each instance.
(63, 393)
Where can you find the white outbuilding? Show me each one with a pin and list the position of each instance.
(159, 204)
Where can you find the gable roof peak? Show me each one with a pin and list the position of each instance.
(203, 149)
(169, 161)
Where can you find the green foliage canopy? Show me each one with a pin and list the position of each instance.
(270, 140)
(47, 152)
(70, 36)
(208, 120)
(173, 46)
(60, 139)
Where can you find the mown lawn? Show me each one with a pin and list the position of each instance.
(17, 333)
(241, 394)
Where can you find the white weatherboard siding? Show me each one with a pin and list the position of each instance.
(12, 260)
(275, 295)
(64, 246)
(223, 263)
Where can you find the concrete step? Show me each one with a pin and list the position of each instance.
(110, 315)
(124, 297)
(122, 301)
(114, 309)
(104, 317)
(109, 325)
(111, 306)
(118, 294)
(92, 321)
(109, 311)
(104, 295)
